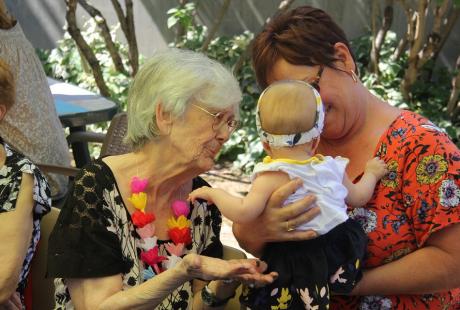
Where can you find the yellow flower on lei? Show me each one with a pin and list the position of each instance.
(139, 200)
(180, 222)
(431, 169)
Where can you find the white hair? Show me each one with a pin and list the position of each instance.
(176, 78)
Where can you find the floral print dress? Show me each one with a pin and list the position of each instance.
(95, 237)
(10, 182)
(418, 197)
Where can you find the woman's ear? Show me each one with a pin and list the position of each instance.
(343, 54)
(163, 119)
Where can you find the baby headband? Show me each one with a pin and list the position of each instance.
(291, 140)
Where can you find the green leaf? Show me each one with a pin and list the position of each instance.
(172, 21)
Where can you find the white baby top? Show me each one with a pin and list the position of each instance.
(323, 177)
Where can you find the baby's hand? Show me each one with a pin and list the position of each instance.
(202, 193)
(377, 167)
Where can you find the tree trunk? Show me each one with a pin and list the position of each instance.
(379, 38)
(402, 45)
(420, 53)
(85, 49)
(105, 33)
(415, 40)
(283, 6)
(453, 105)
(127, 26)
(375, 12)
(216, 25)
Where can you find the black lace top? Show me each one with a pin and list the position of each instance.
(10, 182)
(95, 237)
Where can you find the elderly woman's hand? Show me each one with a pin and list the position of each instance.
(245, 270)
(277, 222)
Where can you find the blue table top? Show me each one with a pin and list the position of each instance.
(77, 107)
(65, 108)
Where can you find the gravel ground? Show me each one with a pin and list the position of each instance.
(225, 178)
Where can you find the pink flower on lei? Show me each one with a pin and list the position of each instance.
(147, 231)
(180, 207)
(138, 185)
(175, 249)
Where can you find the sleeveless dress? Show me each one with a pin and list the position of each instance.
(10, 181)
(310, 270)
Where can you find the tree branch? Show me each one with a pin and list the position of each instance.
(216, 25)
(454, 104)
(75, 33)
(127, 26)
(405, 39)
(131, 37)
(415, 40)
(379, 39)
(105, 33)
(283, 6)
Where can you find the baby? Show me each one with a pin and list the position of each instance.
(290, 119)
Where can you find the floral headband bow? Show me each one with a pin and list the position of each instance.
(291, 140)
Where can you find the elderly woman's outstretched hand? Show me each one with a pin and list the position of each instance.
(278, 222)
(249, 271)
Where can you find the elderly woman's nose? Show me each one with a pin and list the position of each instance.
(223, 133)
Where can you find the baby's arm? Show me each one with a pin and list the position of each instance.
(243, 209)
(360, 193)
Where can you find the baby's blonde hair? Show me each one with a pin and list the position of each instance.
(287, 107)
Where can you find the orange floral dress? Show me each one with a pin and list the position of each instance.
(419, 196)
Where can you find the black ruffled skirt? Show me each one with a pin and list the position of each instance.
(309, 270)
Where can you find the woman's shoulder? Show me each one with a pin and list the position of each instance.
(411, 130)
(15, 165)
(16, 160)
(96, 173)
(199, 182)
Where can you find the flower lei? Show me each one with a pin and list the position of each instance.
(179, 231)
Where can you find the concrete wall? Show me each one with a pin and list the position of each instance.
(43, 20)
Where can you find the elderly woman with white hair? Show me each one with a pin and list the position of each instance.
(126, 238)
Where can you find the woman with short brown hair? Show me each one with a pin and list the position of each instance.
(412, 221)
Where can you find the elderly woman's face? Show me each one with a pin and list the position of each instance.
(202, 131)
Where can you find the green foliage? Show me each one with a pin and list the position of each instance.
(430, 93)
(64, 63)
(181, 15)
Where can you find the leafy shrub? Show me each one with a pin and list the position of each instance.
(429, 95)
(64, 63)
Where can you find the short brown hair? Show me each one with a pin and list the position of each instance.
(302, 36)
(7, 89)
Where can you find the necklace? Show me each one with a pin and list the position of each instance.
(179, 231)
